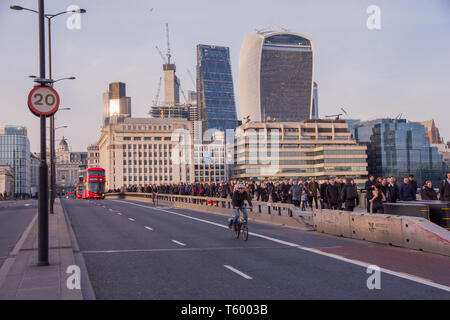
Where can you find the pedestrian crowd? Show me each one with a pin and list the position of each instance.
(333, 193)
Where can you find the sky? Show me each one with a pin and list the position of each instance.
(401, 68)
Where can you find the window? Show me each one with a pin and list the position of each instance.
(127, 138)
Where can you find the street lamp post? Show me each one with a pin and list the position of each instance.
(43, 167)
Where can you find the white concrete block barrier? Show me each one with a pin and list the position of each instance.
(421, 234)
(401, 231)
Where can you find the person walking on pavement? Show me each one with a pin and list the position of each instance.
(313, 190)
(296, 193)
(428, 192)
(392, 190)
(369, 187)
(444, 188)
(323, 194)
(333, 195)
(349, 196)
(377, 199)
(406, 191)
(413, 184)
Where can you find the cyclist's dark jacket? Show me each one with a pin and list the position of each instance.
(238, 199)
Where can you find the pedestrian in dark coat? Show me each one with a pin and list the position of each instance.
(413, 184)
(333, 195)
(444, 189)
(369, 187)
(349, 196)
(323, 194)
(392, 190)
(428, 192)
(406, 191)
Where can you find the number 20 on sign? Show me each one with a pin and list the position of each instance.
(43, 101)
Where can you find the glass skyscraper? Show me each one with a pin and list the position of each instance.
(15, 152)
(215, 92)
(398, 148)
(276, 77)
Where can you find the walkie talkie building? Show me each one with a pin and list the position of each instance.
(276, 77)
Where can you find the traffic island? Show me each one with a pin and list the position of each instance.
(22, 279)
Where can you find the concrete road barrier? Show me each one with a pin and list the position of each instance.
(421, 234)
(332, 222)
(377, 228)
(402, 231)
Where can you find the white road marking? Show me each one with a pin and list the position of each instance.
(148, 228)
(312, 250)
(119, 213)
(27, 205)
(178, 242)
(238, 272)
(111, 210)
(131, 219)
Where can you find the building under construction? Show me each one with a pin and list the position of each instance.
(171, 106)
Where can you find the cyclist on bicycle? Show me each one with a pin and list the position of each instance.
(239, 196)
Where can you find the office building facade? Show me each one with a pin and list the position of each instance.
(398, 148)
(15, 152)
(276, 77)
(93, 156)
(139, 151)
(298, 150)
(215, 91)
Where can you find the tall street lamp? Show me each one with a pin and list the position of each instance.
(43, 168)
(49, 18)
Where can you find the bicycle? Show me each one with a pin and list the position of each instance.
(241, 227)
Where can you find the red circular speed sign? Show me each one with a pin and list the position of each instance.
(43, 101)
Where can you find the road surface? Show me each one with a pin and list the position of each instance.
(133, 250)
(15, 216)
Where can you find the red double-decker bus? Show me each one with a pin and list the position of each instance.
(94, 184)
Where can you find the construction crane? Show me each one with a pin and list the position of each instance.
(192, 78)
(155, 102)
(184, 96)
(345, 113)
(161, 54)
(168, 44)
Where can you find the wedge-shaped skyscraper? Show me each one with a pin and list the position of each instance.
(276, 77)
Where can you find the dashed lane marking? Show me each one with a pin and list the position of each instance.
(312, 250)
(238, 272)
(178, 242)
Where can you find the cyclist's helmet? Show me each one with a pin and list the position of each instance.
(241, 186)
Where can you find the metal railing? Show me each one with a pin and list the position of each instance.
(258, 206)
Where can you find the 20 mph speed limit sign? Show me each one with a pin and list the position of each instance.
(43, 101)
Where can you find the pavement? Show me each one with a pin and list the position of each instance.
(22, 279)
(133, 250)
